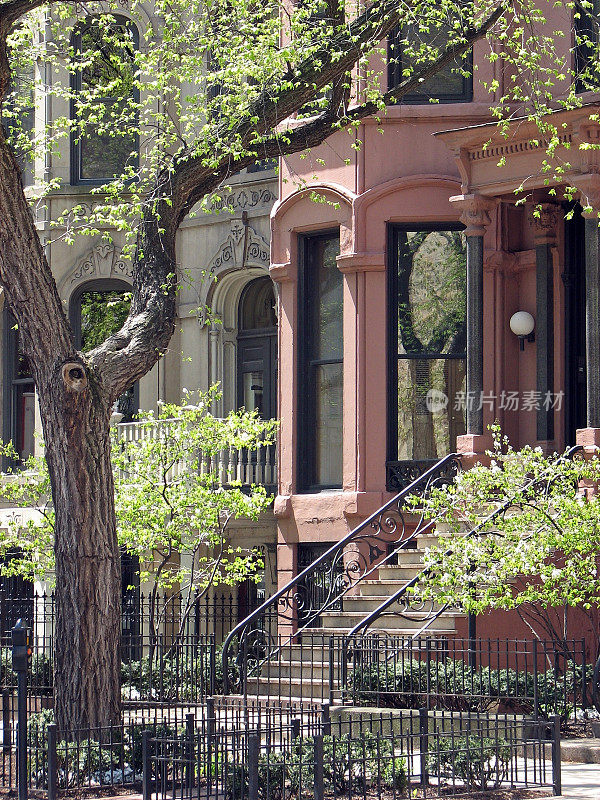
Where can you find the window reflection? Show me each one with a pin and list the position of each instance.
(428, 291)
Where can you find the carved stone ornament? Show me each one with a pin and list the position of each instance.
(239, 251)
(475, 210)
(544, 219)
(102, 261)
(245, 199)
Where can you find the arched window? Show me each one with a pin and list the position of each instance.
(98, 152)
(257, 348)
(97, 310)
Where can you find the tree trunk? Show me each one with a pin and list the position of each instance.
(88, 584)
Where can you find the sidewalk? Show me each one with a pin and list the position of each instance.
(581, 781)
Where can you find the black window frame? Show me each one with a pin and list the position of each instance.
(75, 140)
(306, 394)
(393, 357)
(395, 66)
(584, 25)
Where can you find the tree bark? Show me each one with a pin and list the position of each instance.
(88, 575)
(75, 408)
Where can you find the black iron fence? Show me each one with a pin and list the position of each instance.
(353, 756)
(507, 675)
(263, 752)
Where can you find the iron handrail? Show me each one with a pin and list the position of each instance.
(377, 612)
(336, 548)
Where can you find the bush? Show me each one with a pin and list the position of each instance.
(455, 686)
(348, 765)
(480, 762)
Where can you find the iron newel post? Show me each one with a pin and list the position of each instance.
(21, 657)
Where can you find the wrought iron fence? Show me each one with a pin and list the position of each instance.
(353, 756)
(542, 678)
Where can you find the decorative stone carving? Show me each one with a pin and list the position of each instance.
(239, 250)
(475, 214)
(245, 198)
(101, 262)
(543, 219)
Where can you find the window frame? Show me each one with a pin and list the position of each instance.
(393, 357)
(75, 152)
(97, 285)
(395, 65)
(306, 482)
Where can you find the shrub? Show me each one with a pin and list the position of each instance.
(481, 762)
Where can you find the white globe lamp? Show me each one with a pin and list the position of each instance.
(522, 324)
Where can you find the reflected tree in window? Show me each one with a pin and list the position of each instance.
(431, 318)
(105, 88)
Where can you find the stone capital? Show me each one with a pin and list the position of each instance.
(543, 218)
(475, 212)
(589, 189)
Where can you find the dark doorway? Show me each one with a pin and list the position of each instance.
(574, 280)
(257, 349)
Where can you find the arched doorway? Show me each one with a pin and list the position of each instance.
(256, 388)
(257, 349)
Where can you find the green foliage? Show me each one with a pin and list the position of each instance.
(479, 761)
(349, 764)
(173, 504)
(102, 314)
(541, 550)
(454, 685)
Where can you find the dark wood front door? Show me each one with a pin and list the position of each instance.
(257, 373)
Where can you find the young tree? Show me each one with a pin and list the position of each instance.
(523, 534)
(174, 500)
(208, 92)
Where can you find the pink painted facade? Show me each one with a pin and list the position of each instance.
(426, 164)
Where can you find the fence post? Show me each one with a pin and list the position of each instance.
(326, 719)
(319, 777)
(189, 750)
(331, 668)
(212, 666)
(536, 699)
(295, 728)
(583, 678)
(344, 670)
(6, 716)
(52, 765)
(253, 753)
(423, 745)
(556, 761)
(146, 766)
(210, 730)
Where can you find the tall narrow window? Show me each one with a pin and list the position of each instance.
(321, 364)
(452, 84)
(102, 150)
(19, 393)
(427, 345)
(587, 40)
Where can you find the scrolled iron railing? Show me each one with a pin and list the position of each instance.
(374, 542)
(404, 597)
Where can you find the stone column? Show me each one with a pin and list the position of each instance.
(475, 216)
(544, 220)
(589, 186)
